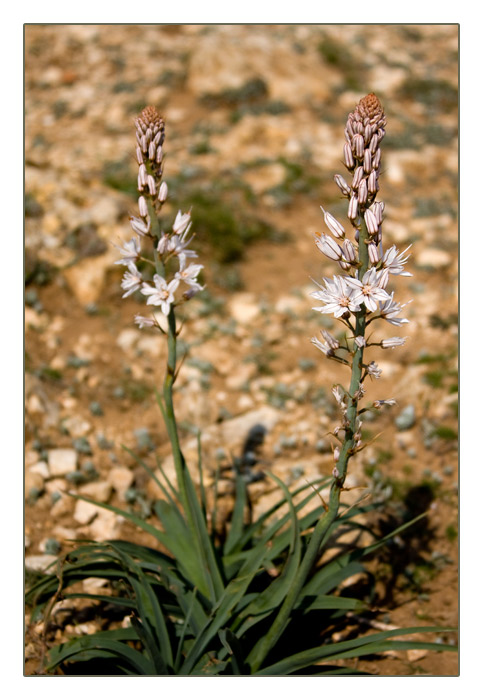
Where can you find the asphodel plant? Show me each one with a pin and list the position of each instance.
(357, 296)
(202, 604)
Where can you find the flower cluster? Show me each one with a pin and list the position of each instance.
(160, 290)
(358, 296)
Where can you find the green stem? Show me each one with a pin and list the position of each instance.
(322, 528)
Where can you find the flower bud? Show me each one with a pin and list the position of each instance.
(342, 185)
(372, 184)
(329, 247)
(334, 226)
(353, 208)
(367, 161)
(358, 175)
(374, 144)
(143, 207)
(163, 192)
(139, 156)
(152, 150)
(358, 146)
(349, 251)
(371, 222)
(348, 157)
(159, 154)
(373, 252)
(151, 185)
(376, 161)
(362, 194)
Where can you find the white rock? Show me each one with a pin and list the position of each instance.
(107, 526)
(39, 562)
(62, 461)
(77, 426)
(244, 307)
(433, 257)
(85, 512)
(99, 491)
(120, 479)
(127, 338)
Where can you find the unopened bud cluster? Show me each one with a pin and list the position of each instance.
(359, 295)
(150, 133)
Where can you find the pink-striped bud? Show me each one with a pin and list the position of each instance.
(373, 252)
(349, 251)
(358, 175)
(358, 146)
(348, 157)
(144, 143)
(353, 207)
(334, 226)
(143, 175)
(342, 185)
(159, 154)
(143, 207)
(362, 194)
(139, 156)
(367, 161)
(378, 209)
(374, 144)
(372, 184)
(152, 150)
(151, 185)
(163, 192)
(376, 161)
(371, 222)
(367, 133)
(328, 247)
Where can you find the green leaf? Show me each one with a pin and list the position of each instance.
(348, 649)
(103, 642)
(223, 610)
(236, 526)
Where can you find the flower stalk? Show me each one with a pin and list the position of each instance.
(355, 299)
(164, 288)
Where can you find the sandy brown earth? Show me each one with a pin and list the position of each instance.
(255, 118)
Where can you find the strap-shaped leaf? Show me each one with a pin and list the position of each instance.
(348, 649)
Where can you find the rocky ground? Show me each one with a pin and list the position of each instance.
(255, 118)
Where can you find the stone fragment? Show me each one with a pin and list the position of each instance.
(62, 461)
(99, 491)
(120, 479)
(39, 562)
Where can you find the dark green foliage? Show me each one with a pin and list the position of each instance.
(206, 607)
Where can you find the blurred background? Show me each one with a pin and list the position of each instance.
(255, 118)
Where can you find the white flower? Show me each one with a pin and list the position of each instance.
(140, 226)
(132, 279)
(130, 252)
(339, 396)
(360, 341)
(143, 322)
(337, 297)
(394, 261)
(175, 245)
(162, 294)
(368, 292)
(392, 342)
(384, 402)
(373, 370)
(181, 222)
(390, 309)
(329, 346)
(188, 274)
